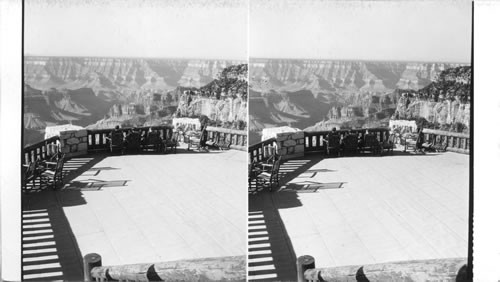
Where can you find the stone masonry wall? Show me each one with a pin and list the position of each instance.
(290, 144)
(74, 142)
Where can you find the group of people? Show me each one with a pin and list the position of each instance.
(420, 144)
(132, 140)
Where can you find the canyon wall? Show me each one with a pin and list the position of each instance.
(119, 73)
(104, 92)
(320, 94)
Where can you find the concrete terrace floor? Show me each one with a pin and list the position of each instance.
(360, 210)
(137, 209)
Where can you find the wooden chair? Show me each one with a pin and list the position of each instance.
(171, 143)
(133, 142)
(410, 142)
(372, 144)
(153, 142)
(221, 141)
(270, 176)
(350, 144)
(31, 173)
(253, 171)
(332, 144)
(54, 174)
(116, 141)
(388, 145)
(194, 142)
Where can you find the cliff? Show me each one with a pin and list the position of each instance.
(445, 101)
(119, 73)
(104, 92)
(223, 100)
(320, 94)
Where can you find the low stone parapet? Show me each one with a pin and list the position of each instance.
(290, 144)
(74, 142)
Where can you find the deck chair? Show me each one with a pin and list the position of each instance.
(372, 144)
(271, 176)
(194, 142)
(410, 142)
(222, 142)
(332, 144)
(388, 145)
(153, 142)
(30, 174)
(350, 144)
(116, 142)
(171, 143)
(133, 142)
(54, 174)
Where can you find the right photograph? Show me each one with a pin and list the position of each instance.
(359, 138)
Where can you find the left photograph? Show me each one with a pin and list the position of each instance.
(134, 141)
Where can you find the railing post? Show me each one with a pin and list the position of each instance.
(90, 261)
(304, 263)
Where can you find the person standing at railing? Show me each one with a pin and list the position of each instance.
(420, 140)
(204, 137)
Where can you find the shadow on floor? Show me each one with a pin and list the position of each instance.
(49, 248)
(271, 256)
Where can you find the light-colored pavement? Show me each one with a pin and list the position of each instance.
(364, 210)
(154, 208)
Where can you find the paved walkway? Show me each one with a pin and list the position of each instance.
(147, 208)
(364, 210)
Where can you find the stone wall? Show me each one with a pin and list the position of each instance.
(73, 142)
(290, 144)
(403, 125)
(188, 123)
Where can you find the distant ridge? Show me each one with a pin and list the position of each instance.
(320, 93)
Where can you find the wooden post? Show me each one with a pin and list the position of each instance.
(304, 263)
(90, 261)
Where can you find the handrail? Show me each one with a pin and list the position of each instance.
(232, 268)
(448, 269)
(96, 140)
(40, 150)
(455, 142)
(314, 139)
(97, 137)
(257, 153)
(237, 138)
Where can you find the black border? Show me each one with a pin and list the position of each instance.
(470, 255)
(22, 138)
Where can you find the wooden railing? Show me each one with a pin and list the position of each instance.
(97, 137)
(257, 153)
(40, 150)
(207, 269)
(96, 140)
(456, 142)
(237, 138)
(314, 139)
(453, 269)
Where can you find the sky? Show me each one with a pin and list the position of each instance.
(364, 30)
(205, 29)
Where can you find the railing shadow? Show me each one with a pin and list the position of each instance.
(271, 256)
(49, 247)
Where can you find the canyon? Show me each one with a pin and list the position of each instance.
(320, 94)
(98, 92)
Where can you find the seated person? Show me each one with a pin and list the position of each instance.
(133, 141)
